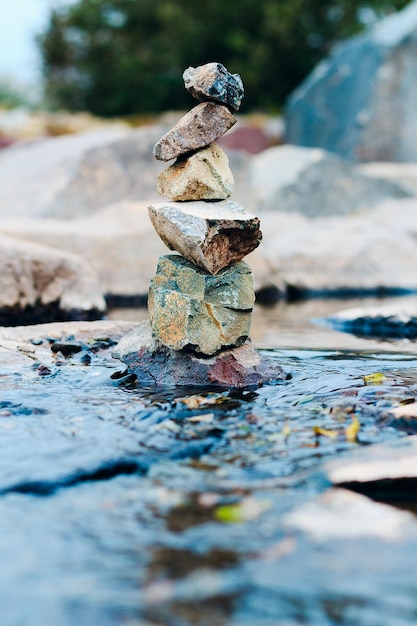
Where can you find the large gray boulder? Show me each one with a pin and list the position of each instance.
(76, 175)
(361, 102)
(314, 182)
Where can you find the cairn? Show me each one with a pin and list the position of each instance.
(201, 299)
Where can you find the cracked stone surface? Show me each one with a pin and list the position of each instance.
(204, 175)
(198, 128)
(190, 308)
(211, 236)
(212, 81)
(155, 364)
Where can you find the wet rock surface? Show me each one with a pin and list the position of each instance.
(204, 175)
(190, 308)
(209, 235)
(200, 127)
(155, 364)
(122, 502)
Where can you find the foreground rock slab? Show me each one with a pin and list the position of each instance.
(205, 175)
(211, 236)
(212, 81)
(200, 127)
(21, 346)
(155, 364)
(190, 308)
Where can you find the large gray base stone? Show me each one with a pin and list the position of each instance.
(154, 364)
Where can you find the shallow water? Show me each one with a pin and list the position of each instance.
(121, 505)
(298, 324)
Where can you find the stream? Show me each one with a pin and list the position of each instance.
(133, 506)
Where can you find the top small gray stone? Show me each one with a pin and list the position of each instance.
(213, 82)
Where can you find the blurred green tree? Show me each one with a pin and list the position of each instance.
(121, 57)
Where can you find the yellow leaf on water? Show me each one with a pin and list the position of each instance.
(249, 509)
(332, 434)
(374, 379)
(199, 402)
(351, 432)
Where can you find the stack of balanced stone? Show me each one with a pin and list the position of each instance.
(200, 300)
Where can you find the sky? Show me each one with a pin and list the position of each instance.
(20, 21)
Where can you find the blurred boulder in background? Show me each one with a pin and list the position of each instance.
(75, 175)
(361, 101)
(314, 182)
(42, 284)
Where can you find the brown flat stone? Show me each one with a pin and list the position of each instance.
(210, 235)
(204, 175)
(205, 123)
(157, 365)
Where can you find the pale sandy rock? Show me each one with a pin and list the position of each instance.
(368, 250)
(209, 235)
(190, 308)
(155, 364)
(341, 515)
(37, 277)
(393, 461)
(212, 81)
(204, 175)
(314, 182)
(404, 174)
(205, 123)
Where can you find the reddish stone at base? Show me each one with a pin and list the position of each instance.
(154, 364)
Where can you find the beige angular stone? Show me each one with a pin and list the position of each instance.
(192, 309)
(204, 175)
(211, 236)
(205, 123)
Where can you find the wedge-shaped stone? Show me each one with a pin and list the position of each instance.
(211, 236)
(155, 364)
(192, 309)
(205, 175)
(212, 81)
(198, 128)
